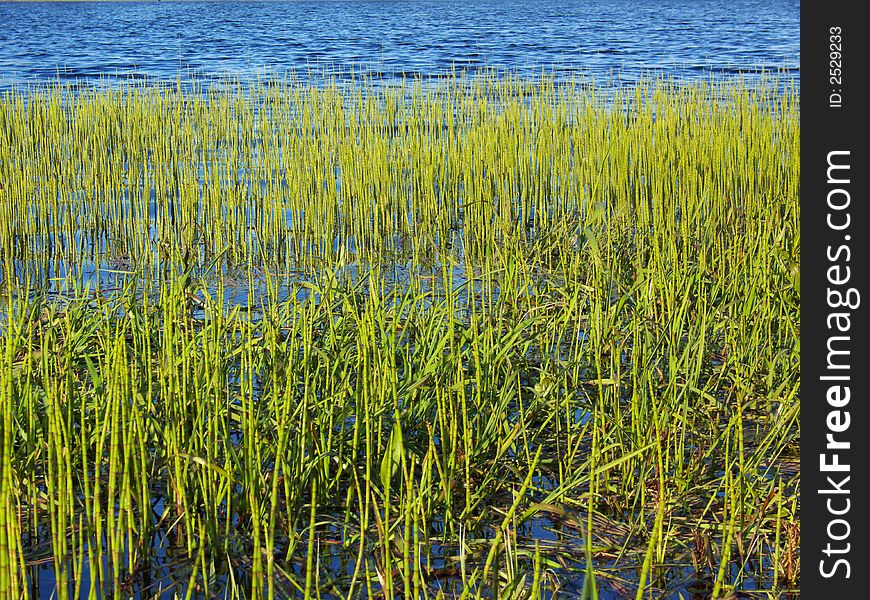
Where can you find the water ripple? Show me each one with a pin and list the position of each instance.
(159, 40)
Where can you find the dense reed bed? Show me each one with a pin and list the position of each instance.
(490, 337)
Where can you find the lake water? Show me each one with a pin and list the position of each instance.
(614, 40)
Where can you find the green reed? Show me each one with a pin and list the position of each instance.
(463, 311)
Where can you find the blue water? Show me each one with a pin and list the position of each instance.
(616, 40)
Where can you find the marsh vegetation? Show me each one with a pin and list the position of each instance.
(488, 337)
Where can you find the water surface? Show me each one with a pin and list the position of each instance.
(619, 39)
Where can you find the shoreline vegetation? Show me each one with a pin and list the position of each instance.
(493, 337)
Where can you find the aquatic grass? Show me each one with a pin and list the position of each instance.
(491, 337)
